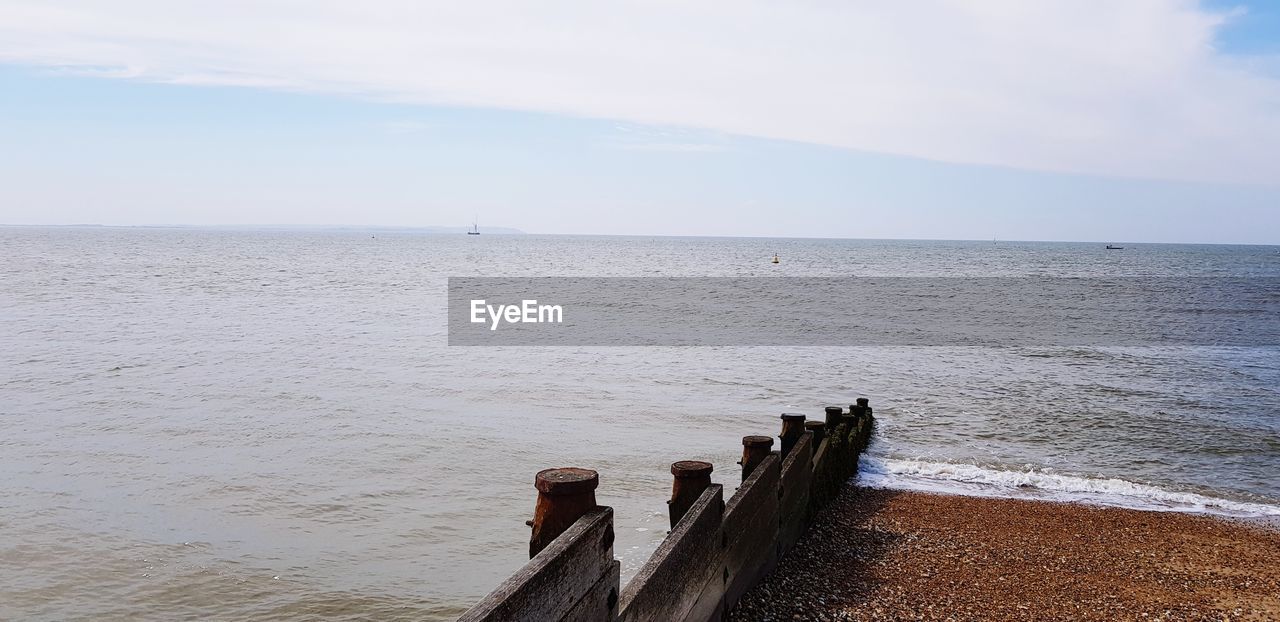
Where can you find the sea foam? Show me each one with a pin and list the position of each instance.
(968, 479)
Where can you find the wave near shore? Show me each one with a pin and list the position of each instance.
(974, 480)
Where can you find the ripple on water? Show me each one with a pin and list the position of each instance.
(329, 457)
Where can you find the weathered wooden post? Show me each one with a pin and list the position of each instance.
(819, 430)
(836, 433)
(848, 445)
(849, 425)
(819, 485)
(691, 477)
(864, 419)
(754, 450)
(564, 495)
(831, 475)
(850, 420)
(792, 431)
(833, 418)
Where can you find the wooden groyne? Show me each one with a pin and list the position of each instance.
(715, 550)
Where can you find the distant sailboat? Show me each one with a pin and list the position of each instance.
(475, 228)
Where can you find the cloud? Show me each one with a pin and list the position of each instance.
(1129, 89)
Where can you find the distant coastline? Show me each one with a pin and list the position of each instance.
(343, 228)
(461, 229)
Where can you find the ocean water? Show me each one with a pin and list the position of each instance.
(269, 425)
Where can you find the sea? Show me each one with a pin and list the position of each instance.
(270, 425)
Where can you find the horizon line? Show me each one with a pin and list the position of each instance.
(501, 230)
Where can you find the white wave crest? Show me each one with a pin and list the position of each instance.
(968, 479)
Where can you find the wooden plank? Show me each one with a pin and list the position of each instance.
(751, 527)
(821, 489)
(707, 606)
(863, 439)
(793, 509)
(554, 581)
(671, 583)
(867, 423)
(601, 602)
(820, 455)
(841, 457)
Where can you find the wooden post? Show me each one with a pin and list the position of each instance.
(864, 419)
(754, 450)
(848, 448)
(564, 495)
(833, 418)
(792, 431)
(819, 430)
(691, 477)
(837, 445)
(819, 482)
(850, 420)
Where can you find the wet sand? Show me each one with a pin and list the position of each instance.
(891, 555)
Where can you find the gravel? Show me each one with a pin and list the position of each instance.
(892, 555)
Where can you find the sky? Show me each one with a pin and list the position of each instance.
(1088, 120)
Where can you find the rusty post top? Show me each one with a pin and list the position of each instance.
(792, 417)
(815, 425)
(862, 401)
(833, 410)
(566, 481)
(691, 468)
(757, 441)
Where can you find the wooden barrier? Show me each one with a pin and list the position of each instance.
(825, 484)
(715, 552)
(793, 493)
(565, 581)
(751, 527)
(681, 581)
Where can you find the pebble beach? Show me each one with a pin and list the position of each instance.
(878, 554)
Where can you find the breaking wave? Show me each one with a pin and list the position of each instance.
(968, 479)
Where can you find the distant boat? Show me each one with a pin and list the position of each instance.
(1114, 248)
(475, 229)
(775, 258)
